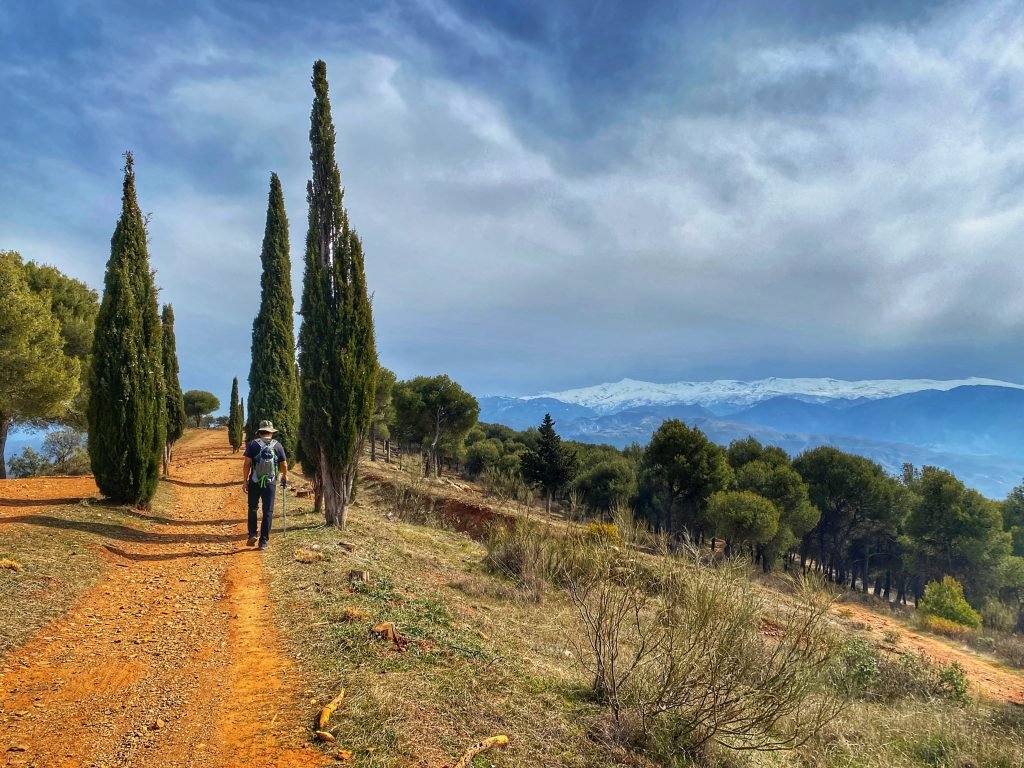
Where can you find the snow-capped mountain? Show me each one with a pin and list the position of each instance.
(722, 396)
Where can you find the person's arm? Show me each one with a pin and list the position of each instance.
(284, 473)
(247, 466)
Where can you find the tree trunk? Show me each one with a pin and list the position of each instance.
(888, 584)
(387, 451)
(373, 441)
(337, 490)
(547, 503)
(167, 459)
(5, 426)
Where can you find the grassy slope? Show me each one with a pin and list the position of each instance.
(455, 685)
(479, 662)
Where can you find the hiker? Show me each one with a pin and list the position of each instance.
(265, 459)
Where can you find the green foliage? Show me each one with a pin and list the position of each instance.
(608, 484)
(742, 517)
(65, 448)
(176, 418)
(777, 481)
(998, 616)
(383, 403)
(682, 468)
(742, 452)
(127, 407)
(861, 671)
(37, 379)
(28, 463)
(199, 402)
(1013, 518)
(551, 464)
(75, 306)
(435, 412)
(945, 599)
(273, 377)
(955, 530)
(337, 352)
(235, 426)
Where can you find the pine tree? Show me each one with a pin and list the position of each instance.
(273, 380)
(234, 425)
(551, 465)
(337, 353)
(127, 409)
(176, 418)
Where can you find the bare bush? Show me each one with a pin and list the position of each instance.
(686, 652)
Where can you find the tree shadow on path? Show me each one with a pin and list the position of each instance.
(123, 532)
(164, 556)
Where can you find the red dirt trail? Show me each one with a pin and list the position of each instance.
(172, 657)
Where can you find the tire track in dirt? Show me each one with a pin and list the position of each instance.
(172, 658)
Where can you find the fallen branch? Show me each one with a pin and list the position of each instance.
(330, 709)
(480, 746)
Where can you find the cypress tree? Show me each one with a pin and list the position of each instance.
(176, 418)
(127, 408)
(337, 353)
(273, 380)
(234, 424)
(241, 421)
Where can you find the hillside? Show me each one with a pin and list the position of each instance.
(220, 655)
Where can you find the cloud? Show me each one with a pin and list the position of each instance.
(846, 203)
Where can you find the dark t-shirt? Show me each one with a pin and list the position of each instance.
(252, 451)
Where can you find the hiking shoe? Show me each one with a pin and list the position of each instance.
(251, 542)
(264, 544)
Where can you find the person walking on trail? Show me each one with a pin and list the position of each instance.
(265, 461)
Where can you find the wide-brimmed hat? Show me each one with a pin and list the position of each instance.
(266, 426)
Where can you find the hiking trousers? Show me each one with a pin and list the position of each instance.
(266, 494)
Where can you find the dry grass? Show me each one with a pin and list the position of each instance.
(480, 662)
(49, 559)
(484, 658)
(308, 555)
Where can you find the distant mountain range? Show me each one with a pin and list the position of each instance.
(973, 427)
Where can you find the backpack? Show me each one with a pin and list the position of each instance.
(264, 466)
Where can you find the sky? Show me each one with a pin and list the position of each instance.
(551, 194)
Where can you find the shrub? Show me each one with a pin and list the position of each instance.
(997, 615)
(945, 599)
(941, 626)
(863, 672)
(527, 552)
(857, 668)
(685, 661)
(603, 533)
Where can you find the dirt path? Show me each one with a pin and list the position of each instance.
(172, 658)
(987, 678)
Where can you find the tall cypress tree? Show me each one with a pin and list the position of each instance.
(241, 421)
(234, 423)
(337, 353)
(176, 418)
(273, 379)
(127, 408)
